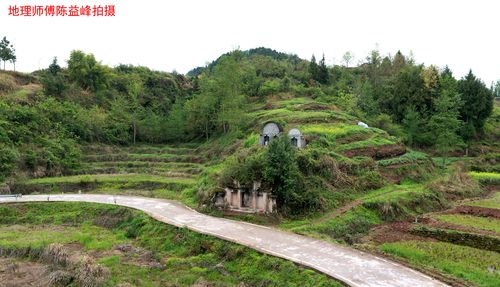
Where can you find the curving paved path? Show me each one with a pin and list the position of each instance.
(351, 266)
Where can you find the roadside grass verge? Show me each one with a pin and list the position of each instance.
(464, 262)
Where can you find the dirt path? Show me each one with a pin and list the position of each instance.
(339, 211)
(351, 266)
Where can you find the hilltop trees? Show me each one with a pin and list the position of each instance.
(134, 104)
(7, 52)
(218, 105)
(477, 99)
(319, 72)
(87, 72)
(53, 82)
(347, 58)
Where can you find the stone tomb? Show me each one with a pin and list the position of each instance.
(296, 138)
(270, 132)
(247, 199)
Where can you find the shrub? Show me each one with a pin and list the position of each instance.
(457, 185)
(9, 157)
(270, 87)
(7, 84)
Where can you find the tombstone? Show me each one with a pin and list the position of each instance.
(361, 124)
(246, 199)
(270, 132)
(296, 138)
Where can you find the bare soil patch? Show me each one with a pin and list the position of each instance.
(393, 232)
(15, 272)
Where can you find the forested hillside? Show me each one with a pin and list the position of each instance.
(420, 185)
(49, 114)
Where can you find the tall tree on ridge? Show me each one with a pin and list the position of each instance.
(477, 101)
(323, 75)
(314, 68)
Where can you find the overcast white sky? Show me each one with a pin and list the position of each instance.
(182, 34)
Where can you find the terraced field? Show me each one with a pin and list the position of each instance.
(462, 241)
(155, 171)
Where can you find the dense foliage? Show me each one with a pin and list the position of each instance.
(46, 115)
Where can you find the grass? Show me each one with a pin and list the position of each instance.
(345, 228)
(409, 157)
(111, 178)
(390, 203)
(486, 177)
(174, 188)
(483, 223)
(188, 258)
(374, 141)
(464, 262)
(291, 116)
(395, 192)
(492, 202)
(91, 237)
(119, 157)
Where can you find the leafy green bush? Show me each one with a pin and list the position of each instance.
(8, 160)
(270, 87)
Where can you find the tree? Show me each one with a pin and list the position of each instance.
(496, 89)
(228, 78)
(13, 60)
(7, 52)
(175, 127)
(347, 58)
(407, 88)
(445, 124)
(323, 75)
(87, 72)
(477, 101)
(313, 68)
(399, 61)
(281, 171)
(412, 124)
(53, 82)
(54, 68)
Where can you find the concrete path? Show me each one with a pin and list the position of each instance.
(351, 266)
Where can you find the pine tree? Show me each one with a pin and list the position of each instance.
(477, 99)
(323, 75)
(54, 68)
(445, 124)
(313, 68)
(412, 123)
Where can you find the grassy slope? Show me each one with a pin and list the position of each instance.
(476, 266)
(464, 262)
(484, 223)
(188, 257)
